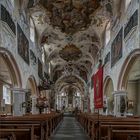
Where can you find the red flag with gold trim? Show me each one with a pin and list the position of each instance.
(98, 88)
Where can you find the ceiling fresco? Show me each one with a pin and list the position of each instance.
(70, 16)
(71, 32)
(70, 52)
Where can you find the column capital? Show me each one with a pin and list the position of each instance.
(120, 92)
(34, 96)
(21, 90)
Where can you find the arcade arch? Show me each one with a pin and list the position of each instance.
(108, 95)
(130, 82)
(31, 94)
(9, 79)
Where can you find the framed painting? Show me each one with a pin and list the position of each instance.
(133, 21)
(33, 57)
(6, 17)
(40, 69)
(116, 48)
(22, 44)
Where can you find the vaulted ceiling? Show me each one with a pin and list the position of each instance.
(71, 32)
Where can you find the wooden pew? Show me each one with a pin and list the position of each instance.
(109, 127)
(39, 126)
(119, 128)
(23, 133)
(125, 134)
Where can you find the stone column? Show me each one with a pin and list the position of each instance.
(34, 102)
(18, 99)
(67, 103)
(82, 105)
(1, 98)
(73, 102)
(58, 103)
(120, 103)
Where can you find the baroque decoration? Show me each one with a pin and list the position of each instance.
(42, 102)
(70, 52)
(23, 45)
(70, 15)
(70, 32)
(45, 84)
(116, 48)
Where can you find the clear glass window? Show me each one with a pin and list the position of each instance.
(6, 94)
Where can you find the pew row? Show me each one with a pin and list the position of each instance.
(99, 127)
(31, 127)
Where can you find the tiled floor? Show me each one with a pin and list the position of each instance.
(69, 130)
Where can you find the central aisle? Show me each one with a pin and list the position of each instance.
(69, 130)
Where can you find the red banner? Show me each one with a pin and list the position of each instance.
(98, 88)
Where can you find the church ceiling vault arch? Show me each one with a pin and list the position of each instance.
(81, 69)
(65, 87)
(71, 80)
(71, 32)
(70, 16)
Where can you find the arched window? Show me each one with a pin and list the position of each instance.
(32, 30)
(107, 34)
(127, 3)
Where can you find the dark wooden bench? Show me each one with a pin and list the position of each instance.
(119, 130)
(109, 127)
(16, 133)
(39, 126)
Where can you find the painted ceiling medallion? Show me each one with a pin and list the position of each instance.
(70, 52)
(70, 15)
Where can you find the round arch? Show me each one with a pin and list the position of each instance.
(12, 67)
(67, 85)
(129, 81)
(32, 86)
(127, 65)
(85, 85)
(108, 89)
